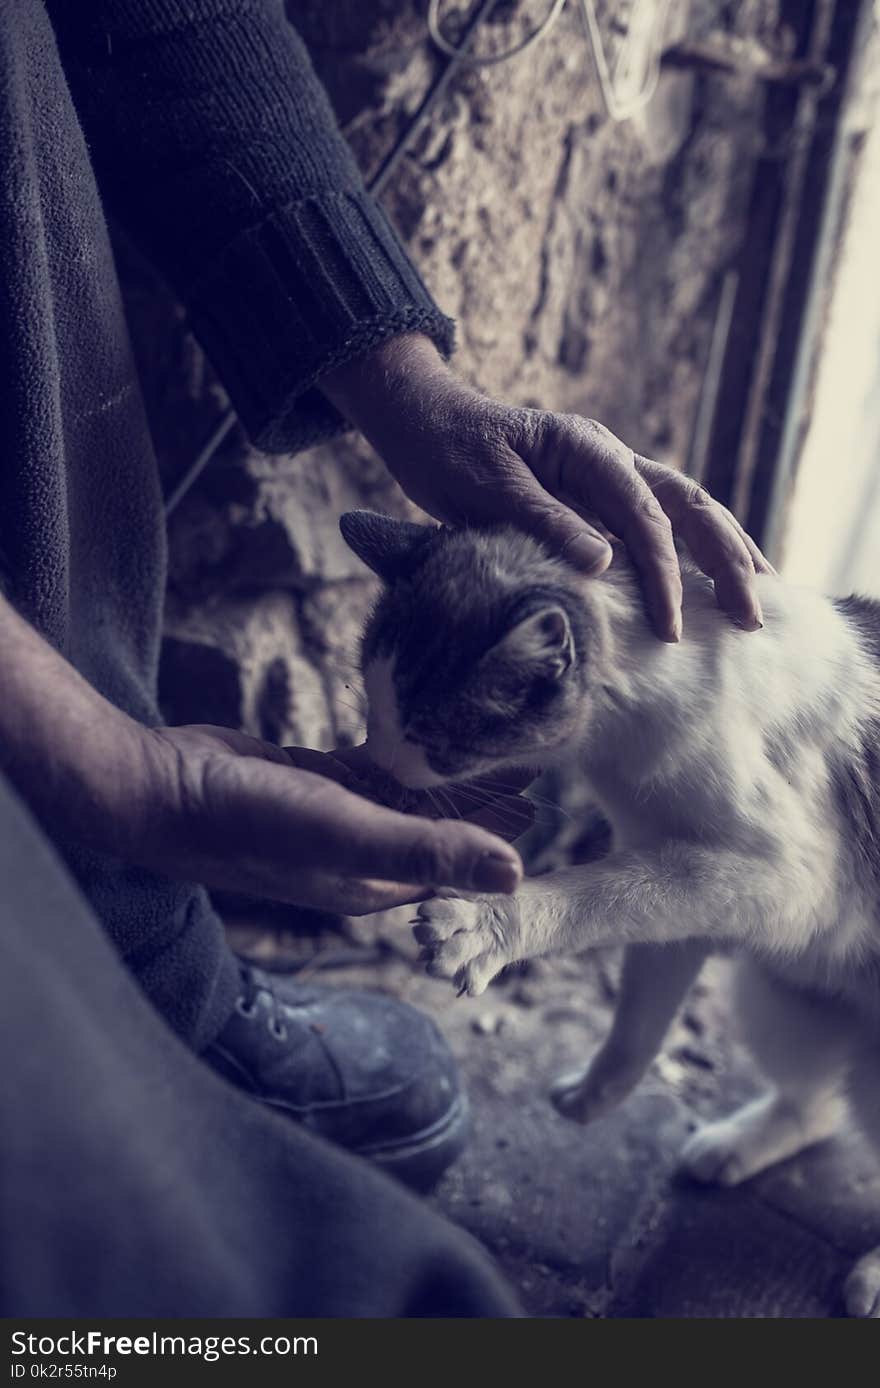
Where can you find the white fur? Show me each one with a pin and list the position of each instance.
(711, 759)
(386, 742)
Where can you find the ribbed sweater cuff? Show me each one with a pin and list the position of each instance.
(318, 283)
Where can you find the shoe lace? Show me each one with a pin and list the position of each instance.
(253, 984)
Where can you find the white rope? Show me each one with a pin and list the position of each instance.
(646, 27)
(647, 22)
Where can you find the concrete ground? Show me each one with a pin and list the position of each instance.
(595, 1221)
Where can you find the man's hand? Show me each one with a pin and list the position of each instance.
(295, 825)
(212, 805)
(463, 457)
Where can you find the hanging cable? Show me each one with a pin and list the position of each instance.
(453, 50)
(377, 180)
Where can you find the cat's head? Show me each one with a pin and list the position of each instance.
(477, 654)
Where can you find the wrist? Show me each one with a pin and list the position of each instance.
(75, 759)
(376, 390)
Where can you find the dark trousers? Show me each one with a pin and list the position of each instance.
(133, 1181)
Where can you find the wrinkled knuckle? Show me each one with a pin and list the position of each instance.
(202, 781)
(593, 428)
(701, 500)
(561, 435)
(533, 424)
(585, 424)
(584, 431)
(608, 443)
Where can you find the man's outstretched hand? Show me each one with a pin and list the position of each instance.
(211, 805)
(307, 827)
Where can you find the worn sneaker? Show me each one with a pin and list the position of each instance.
(363, 1070)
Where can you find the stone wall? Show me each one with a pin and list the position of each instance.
(582, 259)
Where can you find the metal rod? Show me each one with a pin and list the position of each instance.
(378, 180)
(226, 424)
(699, 450)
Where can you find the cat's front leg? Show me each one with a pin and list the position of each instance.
(471, 939)
(676, 892)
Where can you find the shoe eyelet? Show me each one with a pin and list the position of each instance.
(278, 1030)
(245, 1009)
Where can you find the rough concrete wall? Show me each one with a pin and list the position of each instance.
(582, 259)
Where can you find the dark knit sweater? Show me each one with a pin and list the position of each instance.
(214, 144)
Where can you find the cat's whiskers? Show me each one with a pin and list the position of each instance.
(448, 808)
(491, 786)
(353, 708)
(350, 703)
(488, 800)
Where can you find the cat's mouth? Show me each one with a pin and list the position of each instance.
(404, 761)
(414, 767)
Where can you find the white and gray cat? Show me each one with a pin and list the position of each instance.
(740, 774)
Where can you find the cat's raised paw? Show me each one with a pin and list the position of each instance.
(465, 939)
(861, 1292)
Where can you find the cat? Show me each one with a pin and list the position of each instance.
(740, 774)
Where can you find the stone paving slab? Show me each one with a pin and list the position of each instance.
(570, 1200)
(595, 1222)
(833, 1190)
(725, 1254)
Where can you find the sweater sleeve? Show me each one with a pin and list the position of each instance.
(214, 144)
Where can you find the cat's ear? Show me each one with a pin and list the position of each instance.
(541, 643)
(385, 544)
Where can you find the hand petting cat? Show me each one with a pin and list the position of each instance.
(464, 457)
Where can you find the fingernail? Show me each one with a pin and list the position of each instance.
(677, 627)
(495, 872)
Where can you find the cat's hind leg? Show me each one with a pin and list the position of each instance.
(653, 981)
(862, 1289)
(804, 1044)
